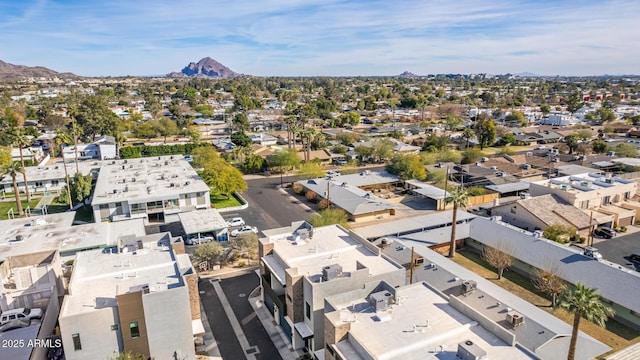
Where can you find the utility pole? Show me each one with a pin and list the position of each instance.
(590, 236)
(411, 267)
(446, 180)
(328, 194)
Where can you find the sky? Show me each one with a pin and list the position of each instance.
(324, 37)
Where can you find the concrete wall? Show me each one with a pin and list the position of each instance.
(485, 322)
(131, 309)
(97, 338)
(168, 324)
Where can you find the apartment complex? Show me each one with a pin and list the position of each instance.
(302, 265)
(142, 297)
(151, 188)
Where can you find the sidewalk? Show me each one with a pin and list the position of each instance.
(209, 346)
(278, 337)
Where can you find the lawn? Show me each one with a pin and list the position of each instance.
(84, 214)
(221, 202)
(615, 334)
(7, 204)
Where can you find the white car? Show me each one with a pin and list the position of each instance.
(237, 221)
(540, 147)
(244, 230)
(195, 239)
(20, 314)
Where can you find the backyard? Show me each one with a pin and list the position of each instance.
(615, 334)
(9, 203)
(221, 202)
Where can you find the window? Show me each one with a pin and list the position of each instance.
(135, 330)
(119, 208)
(54, 182)
(307, 309)
(513, 210)
(584, 204)
(114, 327)
(76, 342)
(606, 200)
(627, 195)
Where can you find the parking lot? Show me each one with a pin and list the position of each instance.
(619, 248)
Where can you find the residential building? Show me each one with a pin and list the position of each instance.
(141, 298)
(104, 148)
(263, 139)
(544, 137)
(48, 178)
(603, 195)
(151, 188)
(301, 265)
(410, 322)
(540, 212)
(617, 285)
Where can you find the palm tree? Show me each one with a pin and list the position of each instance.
(62, 138)
(21, 140)
(72, 111)
(307, 136)
(459, 197)
(467, 134)
(13, 169)
(584, 302)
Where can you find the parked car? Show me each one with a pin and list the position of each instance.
(15, 324)
(333, 173)
(197, 239)
(236, 221)
(244, 230)
(605, 232)
(20, 313)
(540, 147)
(634, 258)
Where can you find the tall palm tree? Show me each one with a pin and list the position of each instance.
(21, 140)
(62, 138)
(459, 197)
(584, 302)
(307, 136)
(72, 111)
(13, 169)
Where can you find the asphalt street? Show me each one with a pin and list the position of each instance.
(617, 249)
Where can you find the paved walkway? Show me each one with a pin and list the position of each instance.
(210, 346)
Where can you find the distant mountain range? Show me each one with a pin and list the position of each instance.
(408, 74)
(206, 67)
(17, 72)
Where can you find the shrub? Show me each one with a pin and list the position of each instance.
(298, 188)
(623, 229)
(476, 191)
(311, 196)
(323, 204)
(242, 263)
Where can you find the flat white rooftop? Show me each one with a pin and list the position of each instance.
(55, 231)
(146, 179)
(98, 277)
(422, 326)
(329, 245)
(198, 221)
(53, 172)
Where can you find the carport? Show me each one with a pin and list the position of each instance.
(432, 194)
(202, 221)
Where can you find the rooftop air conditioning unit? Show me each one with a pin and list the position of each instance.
(331, 272)
(468, 350)
(380, 300)
(468, 287)
(515, 319)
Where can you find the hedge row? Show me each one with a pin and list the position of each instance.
(132, 152)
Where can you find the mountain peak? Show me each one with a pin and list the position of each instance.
(206, 67)
(408, 74)
(16, 72)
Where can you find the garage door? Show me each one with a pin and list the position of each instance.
(626, 221)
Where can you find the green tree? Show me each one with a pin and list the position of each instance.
(241, 139)
(452, 122)
(145, 131)
(12, 169)
(545, 109)
(241, 122)
(437, 177)
(572, 141)
(364, 152)
(435, 143)
(220, 176)
(407, 167)
(63, 138)
(599, 146)
(254, 163)
(210, 252)
(165, 127)
(606, 115)
(508, 138)
(574, 102)
(517, 118)
(584, 134)
(311, 170)
(485, 130)
(626, 150)
(128, 356)
(559, 233)
(95, 118)
(21, 140)
(471, 155)
(80, 187)
(283, 160)
(245, 245)
(459, 198)
(584, 302)
(467, 135)
(382, 149)
(329, 217)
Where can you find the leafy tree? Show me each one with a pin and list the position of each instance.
(452, 122)
(517, 118)
(241, 122)
(571, 141)
(407, 167)
(626, 150)
(545, 109)
(165, 127)
(283, 160)
(548, 283)
(145, 131)
(350, 118)
(559, 233)
(437, 177)
(497, 257)
(574, 102)
(485, 130)
(128, 356)
(599, 146)
(311, 170)
(95, 118)
(241, 139)
(210, 252)
(508, 138)
(245, 245)
(80, 187)
(471, 155)
(434, 142)
(254, 163)
(220, 176)
(467, 135)
(382, 148)
(459, 198)
(583, 302)
(606, 115)
(584, 134)
(364, 152)
(329, 217)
